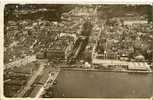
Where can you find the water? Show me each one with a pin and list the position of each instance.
(93, 84)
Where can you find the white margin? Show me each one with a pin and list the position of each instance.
(2, 4)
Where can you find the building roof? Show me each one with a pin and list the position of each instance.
(138, 66)
(130, 22)
(24, 69)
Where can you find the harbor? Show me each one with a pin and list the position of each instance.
(78, 51)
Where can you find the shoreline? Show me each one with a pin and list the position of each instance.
(102, 70)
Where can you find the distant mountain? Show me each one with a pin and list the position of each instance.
(33, 11)
(109, 11)
(54, 11)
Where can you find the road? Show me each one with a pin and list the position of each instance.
(31, 81)
(18, 63)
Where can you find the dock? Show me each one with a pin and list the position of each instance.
(49, 82)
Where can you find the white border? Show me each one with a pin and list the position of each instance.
(2, 4)
(80, 1)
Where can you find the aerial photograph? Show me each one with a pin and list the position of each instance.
(78, 51)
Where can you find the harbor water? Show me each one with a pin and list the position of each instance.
(94, 84)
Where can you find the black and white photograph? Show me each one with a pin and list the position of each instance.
(78, 51)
